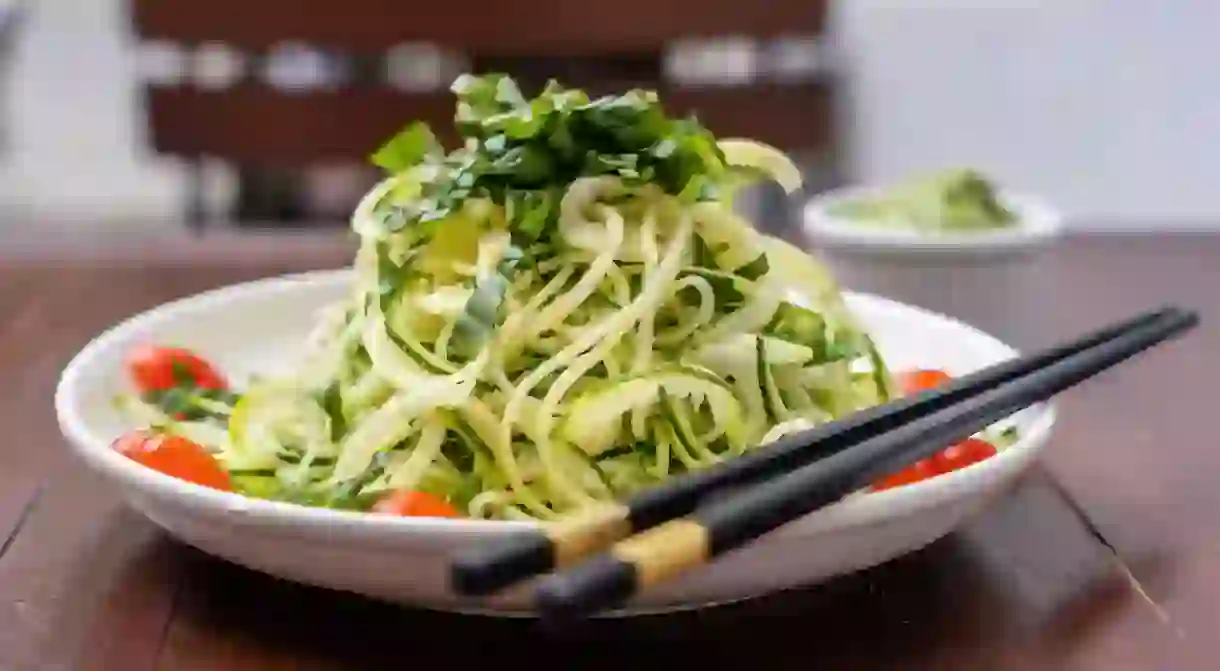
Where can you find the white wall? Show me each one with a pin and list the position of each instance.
(1111, 108)
(75, 129)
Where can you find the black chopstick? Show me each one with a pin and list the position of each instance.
(734, 520)
(485, 570)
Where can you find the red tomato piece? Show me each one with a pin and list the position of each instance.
(174, 456)
(154, 368)
(961, 455)
(920, 470)
(406, 503)
(918, 380)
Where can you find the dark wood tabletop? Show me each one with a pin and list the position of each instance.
(1105, 557)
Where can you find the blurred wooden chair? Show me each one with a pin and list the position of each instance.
(603, 46)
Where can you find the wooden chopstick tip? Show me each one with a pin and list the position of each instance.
(594, 530)
(485, 570)
(666, 550)
(602, 582)
(634, 564)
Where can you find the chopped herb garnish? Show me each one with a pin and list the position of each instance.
(348, 496)
(391, 277)
(186, 402)
(754, 269)
(407, 149)
(485, 308)
(181, 373)
(517, 145)
(725, 288)
(224, 396)
(331, 401)
(459, 452)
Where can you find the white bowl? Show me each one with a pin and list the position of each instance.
(259, 326)
(1038, 224)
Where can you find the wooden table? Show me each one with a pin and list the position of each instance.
(1105, 557)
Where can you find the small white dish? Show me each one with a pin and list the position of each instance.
(259, 327)
(1038, 224)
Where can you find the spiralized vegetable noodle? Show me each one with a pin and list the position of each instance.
(562, 312)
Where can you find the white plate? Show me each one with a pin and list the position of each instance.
(1038, 224)
(259, 326)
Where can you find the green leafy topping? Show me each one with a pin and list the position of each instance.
(484, 310)
(331, 401)
(181, 373)
(407, 149)
(516, 148)
(460, 450)
(532, 211)
(190, 403)
(754, 269)
(391, 277)
(700, 189)
(387, 273)
(229, 398)
(727, 288)
(348, 495)
(177, 402)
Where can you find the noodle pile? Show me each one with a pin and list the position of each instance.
(559, 313)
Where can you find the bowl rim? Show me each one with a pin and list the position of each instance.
(1038, 223)
(132, 478)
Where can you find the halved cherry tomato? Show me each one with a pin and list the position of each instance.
(174, 456)
(920, 470)
(414, 504)
(961, 455)
(154, 368)
(918, 380)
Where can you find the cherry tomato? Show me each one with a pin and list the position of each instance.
(961, 455)
(414, 504)
(154, 368)
(174, 456)
(918, 380)
(920, 470)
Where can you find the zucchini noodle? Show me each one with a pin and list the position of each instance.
(540, 323)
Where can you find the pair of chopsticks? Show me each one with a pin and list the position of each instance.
(700, 515)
